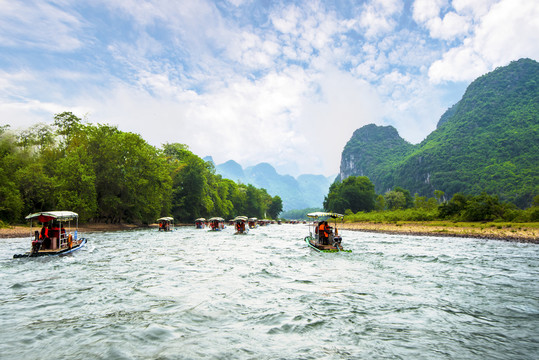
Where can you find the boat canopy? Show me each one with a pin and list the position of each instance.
(325, 214)
(253, 219)
(45, 216)
(168, 218)
(217, 219)
(240, 218)
(200, 219)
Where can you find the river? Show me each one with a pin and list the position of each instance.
(195, 294)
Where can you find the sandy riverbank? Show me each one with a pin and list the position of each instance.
(24, 231)
(516, 232)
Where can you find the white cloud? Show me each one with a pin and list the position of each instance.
(377, 17)
(450, 27)
(509, 31)
(425, 10)
(39, 24)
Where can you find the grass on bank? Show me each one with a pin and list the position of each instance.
(431, 218)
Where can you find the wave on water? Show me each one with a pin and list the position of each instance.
(208, 295)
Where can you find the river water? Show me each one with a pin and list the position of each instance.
(195, 294)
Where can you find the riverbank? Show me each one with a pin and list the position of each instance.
(526, 233)
(24, 231)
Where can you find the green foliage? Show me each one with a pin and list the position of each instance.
(107, 175)
(482, 207)
(394, 215)
(395, 200)
(355, 193)
(275, 208)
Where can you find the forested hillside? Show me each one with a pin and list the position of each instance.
(487, 142)
(107, 175)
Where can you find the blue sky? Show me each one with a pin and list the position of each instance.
(284, 82)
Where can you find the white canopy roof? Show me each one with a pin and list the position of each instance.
(168, 218)
(59, 215)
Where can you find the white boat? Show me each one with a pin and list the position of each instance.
(322, 237)
(253, 223)
(200, 223)
(166, 223)
(239, 225)
(217, 223)
(58, 234)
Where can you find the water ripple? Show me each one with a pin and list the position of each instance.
(194, 294)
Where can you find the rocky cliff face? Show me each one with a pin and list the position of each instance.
(371, 150)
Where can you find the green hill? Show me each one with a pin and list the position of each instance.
(488, 141)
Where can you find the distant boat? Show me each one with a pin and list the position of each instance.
(252, 223)
(54, 238)
(239, 225)
(200, 223)
(217, 223)
(166, 223)
(322, 237)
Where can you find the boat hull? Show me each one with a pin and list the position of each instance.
(311, 242)
(63, 251)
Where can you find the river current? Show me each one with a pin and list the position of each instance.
(195, 294)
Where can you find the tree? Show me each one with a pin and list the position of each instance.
(355, 193)
(439, 194)
(276, 207)
(395, 200)
(131, 176)
(67, 125)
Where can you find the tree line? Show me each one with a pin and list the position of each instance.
(107, 175)
(356, 194)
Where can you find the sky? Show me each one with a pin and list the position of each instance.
(282, 82)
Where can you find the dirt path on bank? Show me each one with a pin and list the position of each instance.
(517, 232)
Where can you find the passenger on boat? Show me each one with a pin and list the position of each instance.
(240, 226)
(44, 237)
(323, 232)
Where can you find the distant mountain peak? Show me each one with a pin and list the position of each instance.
(306, 191)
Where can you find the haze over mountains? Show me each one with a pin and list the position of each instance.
(305, 191)
(488, 141)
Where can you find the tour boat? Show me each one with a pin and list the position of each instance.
(322, 237)
(54, 238)
(217, 224)
(200, 223)
(252, 223)
(166, 223)
(239, 225)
